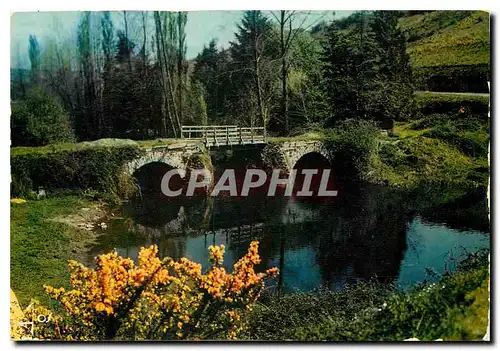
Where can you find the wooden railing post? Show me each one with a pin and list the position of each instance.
(241, 138)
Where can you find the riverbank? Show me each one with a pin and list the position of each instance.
(48, 232)
(455, 308)
(45, 234)
(435, 149)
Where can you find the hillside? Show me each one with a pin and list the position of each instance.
(449, 50)
(444, 38)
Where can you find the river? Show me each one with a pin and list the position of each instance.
(367, 232)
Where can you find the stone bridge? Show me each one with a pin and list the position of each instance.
(282, 155)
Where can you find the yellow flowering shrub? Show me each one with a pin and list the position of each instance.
(157, 299)
(17, 201)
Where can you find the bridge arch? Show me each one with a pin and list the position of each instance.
(149, 169)
(313, 159)
(149, 176)
(286, 155)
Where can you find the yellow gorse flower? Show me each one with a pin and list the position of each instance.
(158, 298)
(17, 201)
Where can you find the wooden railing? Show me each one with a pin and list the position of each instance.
(224, 135)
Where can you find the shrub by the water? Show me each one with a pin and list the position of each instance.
(455, 308)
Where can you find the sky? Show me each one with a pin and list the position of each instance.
(201, 27)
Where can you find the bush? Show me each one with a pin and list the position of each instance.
(39, 120)
(320, 315)
(455, 308)
(469, 133)
(423, 161)
(471, 143)
(457, 78)
(97, 168)
(153, 300)
(352, 143)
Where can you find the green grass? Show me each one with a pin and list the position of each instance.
(418, 160)
(447, 148)
(448, 38)
(157, 142)
(456, 308)
(102, 143)
(426, 97)
(40, 248)
(406, 130)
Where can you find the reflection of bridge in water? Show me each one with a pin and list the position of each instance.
(218, 219)
(359, 235)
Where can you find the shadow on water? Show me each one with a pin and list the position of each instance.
(364, 233)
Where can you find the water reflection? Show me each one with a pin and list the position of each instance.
(368, 232)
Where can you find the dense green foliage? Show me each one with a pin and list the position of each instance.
(455, 308)
(277, 72)
(39, 120)
(97, 168)
(367, 70)
(417, 161)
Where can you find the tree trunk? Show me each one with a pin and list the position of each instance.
(284, 74)
(166, 59)
(179, 65)
(144, 41)
(159, 49)
(126, 36)
(256, 58)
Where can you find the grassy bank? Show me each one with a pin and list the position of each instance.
(456, 308)
(40, 247)
(442, 149)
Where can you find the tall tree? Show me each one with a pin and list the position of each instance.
(165, 80)
(251, 55)
(34, 55)
(395, 88)
(367, 71)
(350, 69)
(181, 58)
(21, 83)
(88, 123)
(127, 49)
(108, 48)
(212, 70)
(144, 47)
